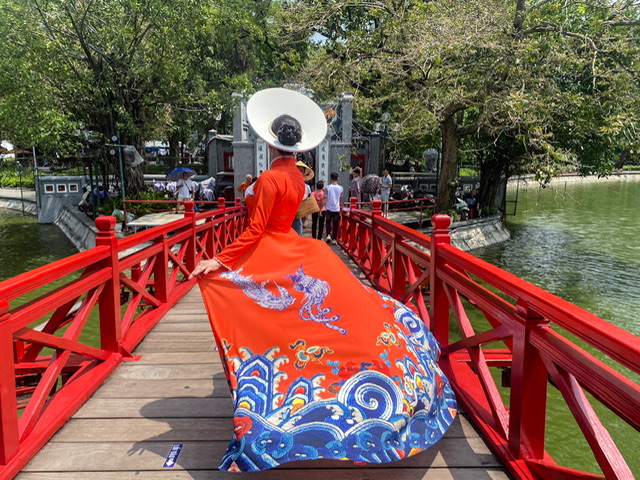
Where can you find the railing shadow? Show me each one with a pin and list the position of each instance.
(192, 423)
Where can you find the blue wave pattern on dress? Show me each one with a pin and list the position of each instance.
(373, 417)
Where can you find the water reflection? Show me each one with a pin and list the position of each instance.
(579, 241)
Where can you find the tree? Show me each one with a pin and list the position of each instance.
(137, 69)
(547, 78)
(105, 65)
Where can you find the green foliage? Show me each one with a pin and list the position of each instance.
(110, 204)
(155, 69)
(469, 172)
(11, 177)
(156, 169)
(139, 209)
(454, 214)
(514, 88)
(490, 210)
(509, 87)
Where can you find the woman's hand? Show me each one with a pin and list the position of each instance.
(205, 267)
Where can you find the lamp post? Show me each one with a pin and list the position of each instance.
(382, 128)
(20, 179)
(116, 138)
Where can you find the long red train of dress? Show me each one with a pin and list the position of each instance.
(319, 365)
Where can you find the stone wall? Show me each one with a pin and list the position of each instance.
(78, 228)
(482, 232)
(56, 193)
(29, 207)
(529, 180)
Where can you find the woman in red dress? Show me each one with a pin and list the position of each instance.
(319, 365)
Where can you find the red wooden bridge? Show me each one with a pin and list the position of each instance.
(493, 327)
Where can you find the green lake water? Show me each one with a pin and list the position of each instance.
(26, 244)
(580, 241)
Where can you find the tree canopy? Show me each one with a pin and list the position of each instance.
(523, 86)
(137, 69)
(512, 87)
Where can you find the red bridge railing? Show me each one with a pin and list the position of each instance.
(121, 288)
(534, 337)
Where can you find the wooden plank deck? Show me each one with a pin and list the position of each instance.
(177, 394)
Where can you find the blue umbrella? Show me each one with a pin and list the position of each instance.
(176, 174)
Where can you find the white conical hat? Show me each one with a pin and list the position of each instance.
(266, 105)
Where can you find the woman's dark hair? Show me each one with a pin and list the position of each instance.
(320, 185)
(287, 129)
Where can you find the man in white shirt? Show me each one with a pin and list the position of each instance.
(333, 193)
(185, 189)
(385, 189)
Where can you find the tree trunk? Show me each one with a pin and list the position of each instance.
(134, 178)
(490, 175)
(449, 166)
(174, 153)
(625, 156)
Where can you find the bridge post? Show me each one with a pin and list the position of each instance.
(439, 303)
(109, 302)
(9, 436)
(350, 234)
(190, 253)
(234, 224)
(529, 383)
(210, 239)
(161, 271)
(376, 253)
(399, 281)
(222, 235)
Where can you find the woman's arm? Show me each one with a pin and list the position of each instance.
(265, 196)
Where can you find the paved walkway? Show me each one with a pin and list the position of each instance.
(16, 193)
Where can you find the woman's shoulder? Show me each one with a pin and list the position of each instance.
(270, 174)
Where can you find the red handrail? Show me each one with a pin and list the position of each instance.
(129, 283)
(441, 282)
(435, 279)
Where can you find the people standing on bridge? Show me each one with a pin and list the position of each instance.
(307, 175)
(369, 187)
(185, 188)
(333, 206)
(385, 190)
(320, 366)
(317, 218)
(242, 188)
(354, 185)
